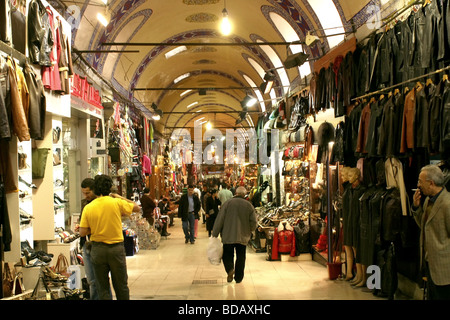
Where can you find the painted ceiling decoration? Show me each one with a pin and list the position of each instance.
(160, 26)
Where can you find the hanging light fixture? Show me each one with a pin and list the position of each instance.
(267, 85)
(248, 102)
(104, 17)
(157, 113)
(225, 25)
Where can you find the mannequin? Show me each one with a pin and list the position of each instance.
(348, 249)
(354, 176)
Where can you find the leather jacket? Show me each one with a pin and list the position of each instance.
(435, 120)
(391, 126)
(184, 206)
(421, 119)
(283, 242)
(5, 22)
(5, 101)
(433, 44)
(38, 105)
(363, 129)
(4, 220)
(407, 141)
(18, 112)
(373, 137)
(337, 154)
(40, 37)
(445, 125)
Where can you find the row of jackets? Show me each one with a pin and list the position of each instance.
(48, 42)
(399, 123)
(49, 46)
(411, 48)
(22, 111)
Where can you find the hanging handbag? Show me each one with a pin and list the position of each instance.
(7, 281)
(18, 286)
(39, 161)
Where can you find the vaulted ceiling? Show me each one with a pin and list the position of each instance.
(229, 67)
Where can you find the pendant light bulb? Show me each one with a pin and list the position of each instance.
(225, 26)
(102, 19)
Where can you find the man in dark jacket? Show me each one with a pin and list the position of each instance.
(188, 208)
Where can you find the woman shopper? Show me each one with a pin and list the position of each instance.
(212, 209)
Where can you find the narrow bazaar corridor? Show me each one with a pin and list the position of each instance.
(179, 271)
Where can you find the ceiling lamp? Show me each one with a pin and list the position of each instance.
(241, 118)
(295, 60)
(157, 113)
(104, 18)
(225, 25)
(208, 126)
(267, 85)
(248, 102)
(310, 39)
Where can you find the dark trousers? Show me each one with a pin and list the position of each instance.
(228, 259)
(435, 292)
(110, 258)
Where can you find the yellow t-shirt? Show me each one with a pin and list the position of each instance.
(104, 216)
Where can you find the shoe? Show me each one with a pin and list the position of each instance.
(192, 242)
(29, 185)
(186, 241)
(230, 275)
(165, 234)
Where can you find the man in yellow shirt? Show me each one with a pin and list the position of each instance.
(102, 219)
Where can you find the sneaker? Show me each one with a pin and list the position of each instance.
(230, 275)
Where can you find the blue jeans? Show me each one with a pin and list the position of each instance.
(89, 269)
(189, 228)
(108, 258)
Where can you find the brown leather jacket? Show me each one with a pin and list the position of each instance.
(408, 122)
(19, 101)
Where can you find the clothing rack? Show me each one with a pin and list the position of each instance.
(418, 2)
(13, 53)
(402, 83)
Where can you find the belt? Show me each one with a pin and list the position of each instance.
(107, 244)
(191, 212)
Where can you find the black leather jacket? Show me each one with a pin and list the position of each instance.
(40, 37)
(36, 116)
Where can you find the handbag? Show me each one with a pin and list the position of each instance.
(18, 286)
(7, 281)
(39, 161)
(62, 265)
(215, 250)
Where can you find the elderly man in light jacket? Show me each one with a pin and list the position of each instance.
(235, 223)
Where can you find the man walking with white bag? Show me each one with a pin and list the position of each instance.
(235, 223)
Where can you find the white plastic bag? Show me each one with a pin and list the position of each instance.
(215, 250)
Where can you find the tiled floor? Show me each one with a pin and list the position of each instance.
(179, 271)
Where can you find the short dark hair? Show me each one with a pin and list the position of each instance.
(103, 184)
(190, 186)
(146, 190)
(88, 183)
